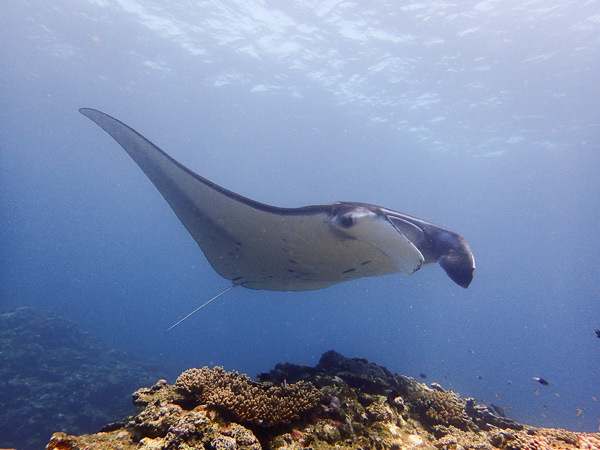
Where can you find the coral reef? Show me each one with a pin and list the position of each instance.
(53, 377)
(441, 408)
(341, 403)
(246, 401)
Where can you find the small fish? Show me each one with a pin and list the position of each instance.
(597, 333)
(578, 412)
(542, 381)
(537, 391)
(498, 410)
(422, 375)
(558, 395)
(595, 399)
(471, 351)
(479, 377)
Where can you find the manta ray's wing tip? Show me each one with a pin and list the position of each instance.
(88, 112)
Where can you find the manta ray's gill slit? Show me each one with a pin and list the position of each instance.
(292, 261)
(364, 263)
(349, 270)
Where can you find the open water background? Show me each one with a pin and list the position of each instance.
(479, 116)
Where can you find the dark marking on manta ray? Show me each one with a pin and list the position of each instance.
(333, 236)
(366, 262)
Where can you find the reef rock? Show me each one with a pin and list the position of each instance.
(53, 377)
(341, 403)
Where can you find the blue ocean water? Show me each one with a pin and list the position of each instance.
(479, 116)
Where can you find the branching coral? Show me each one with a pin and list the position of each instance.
(441, 408)
(247, 401)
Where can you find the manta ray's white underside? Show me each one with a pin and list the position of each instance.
(258, 246)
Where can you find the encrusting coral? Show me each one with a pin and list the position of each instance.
(246, 401)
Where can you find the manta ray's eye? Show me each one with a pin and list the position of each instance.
(346, 220)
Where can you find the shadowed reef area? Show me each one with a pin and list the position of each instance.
(54, 377)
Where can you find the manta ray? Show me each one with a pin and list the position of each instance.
(259, 246)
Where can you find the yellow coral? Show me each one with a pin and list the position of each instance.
(534, 439)
(589, 442)
(246, 400)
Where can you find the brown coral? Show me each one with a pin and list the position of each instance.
(247, 401)
(441, 408)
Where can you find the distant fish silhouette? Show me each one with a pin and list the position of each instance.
(258, 246)
(542, 381)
